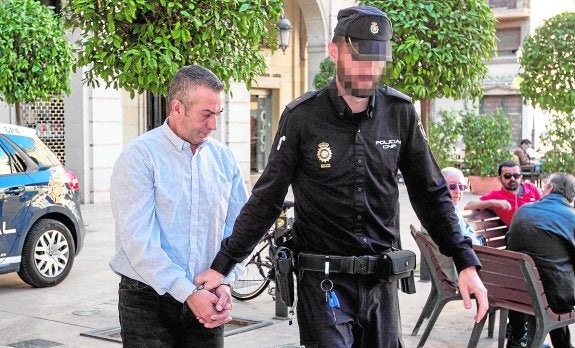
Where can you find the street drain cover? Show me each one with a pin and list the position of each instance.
(236, 326)
(37, 343)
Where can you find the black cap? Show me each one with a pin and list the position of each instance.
(368, 30)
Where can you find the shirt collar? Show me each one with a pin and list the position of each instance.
(176, 141)
(341, 106)
(557, 197)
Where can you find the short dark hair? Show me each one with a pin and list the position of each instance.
(189, 78)
(563, 184)
(525, 141)
(506, 164)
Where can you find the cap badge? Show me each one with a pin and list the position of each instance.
(324, 154)
(374, 28)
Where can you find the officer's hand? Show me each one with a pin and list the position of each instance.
(209, 278)
(469, 283)
(224, 294)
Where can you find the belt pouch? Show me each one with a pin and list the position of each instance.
(399, 265)
(284, 267)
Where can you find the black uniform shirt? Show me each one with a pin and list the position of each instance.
(342, 168)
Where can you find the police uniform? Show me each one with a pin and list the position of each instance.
(342, 168)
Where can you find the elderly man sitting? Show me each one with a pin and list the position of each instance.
(456, 184)
(545, 230)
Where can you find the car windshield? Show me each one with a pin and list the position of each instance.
(36, 149)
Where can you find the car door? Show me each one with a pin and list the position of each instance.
(16, 187)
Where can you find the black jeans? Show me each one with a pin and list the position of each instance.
(151, 320)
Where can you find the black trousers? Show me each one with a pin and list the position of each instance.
(159, 321)
(368, 315)
(560, 338)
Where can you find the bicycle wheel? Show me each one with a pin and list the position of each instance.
(255, 278)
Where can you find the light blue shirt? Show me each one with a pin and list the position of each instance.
(466, 229)
(172, 209)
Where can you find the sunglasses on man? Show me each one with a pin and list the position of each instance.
(508, 176)
(453, 187)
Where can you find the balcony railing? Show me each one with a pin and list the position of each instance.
(509, 4)
(505, 10)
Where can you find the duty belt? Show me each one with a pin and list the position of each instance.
(367, 264)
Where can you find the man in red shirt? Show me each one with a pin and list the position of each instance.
(512, 195)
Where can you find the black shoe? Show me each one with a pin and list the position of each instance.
(517, 342)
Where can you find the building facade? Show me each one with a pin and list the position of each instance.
(89, 127)
(516, 20)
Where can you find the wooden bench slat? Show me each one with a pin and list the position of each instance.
(497, 243)
(489, 226)
(513, 282)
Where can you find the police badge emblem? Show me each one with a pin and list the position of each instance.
(324, 154)
(374, 28)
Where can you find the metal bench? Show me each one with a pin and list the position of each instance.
(513, 283)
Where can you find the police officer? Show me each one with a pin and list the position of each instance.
(340, 148)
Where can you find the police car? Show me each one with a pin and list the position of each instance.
(41, 226)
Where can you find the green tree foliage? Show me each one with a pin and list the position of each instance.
(439, 47)
(487, 139)
(138, 45)
(443, 137)
(325, 74)
(36, 59)
(548, 65)
(559, 140)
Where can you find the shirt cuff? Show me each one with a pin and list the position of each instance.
(182, 289)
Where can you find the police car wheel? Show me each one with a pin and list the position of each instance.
(48, 254)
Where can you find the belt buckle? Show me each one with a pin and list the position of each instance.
(361, 265)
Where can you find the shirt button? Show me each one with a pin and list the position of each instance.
(359, 161)
(364, 240)
(359, 217)
(359, 189)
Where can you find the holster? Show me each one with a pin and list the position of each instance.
(284, 268)
(399, 265)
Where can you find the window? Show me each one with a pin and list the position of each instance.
(36, 149)
(508, 41)
(4, 162)
(503, 3)
(511, 105)
(260, 129)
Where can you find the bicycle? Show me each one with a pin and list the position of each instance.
(259, 272)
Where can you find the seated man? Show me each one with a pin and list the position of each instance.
(512, 195)
(521, 152)
(545, 230)
(456, 184)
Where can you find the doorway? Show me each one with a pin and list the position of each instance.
(260, 129)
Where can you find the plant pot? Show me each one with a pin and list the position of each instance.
(481, 185)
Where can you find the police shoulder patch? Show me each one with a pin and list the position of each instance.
(395, 93)
(297, 101)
